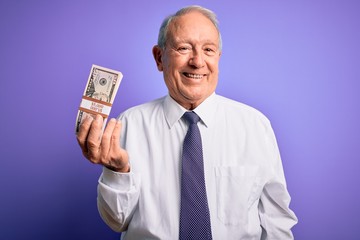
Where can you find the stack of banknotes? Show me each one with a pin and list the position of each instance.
(99, 94)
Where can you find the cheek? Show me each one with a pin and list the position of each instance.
(172, 71)
(170, 80)
(214, 65)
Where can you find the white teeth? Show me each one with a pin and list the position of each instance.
(197, 76)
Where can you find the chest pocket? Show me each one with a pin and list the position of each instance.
(238, 187)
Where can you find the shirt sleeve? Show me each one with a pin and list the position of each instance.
(118, 195)
(276, 217)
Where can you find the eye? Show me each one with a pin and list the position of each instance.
(183, 49)
(209, 51)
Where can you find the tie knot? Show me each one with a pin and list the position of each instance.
(191, 117)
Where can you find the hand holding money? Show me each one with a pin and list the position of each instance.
(101, 145)
(103, 148)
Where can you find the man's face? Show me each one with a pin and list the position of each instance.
(190, 60)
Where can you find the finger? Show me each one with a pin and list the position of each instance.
(118, 155)
(94, 139)
(106, 139)
(82, 135)
(115, 138)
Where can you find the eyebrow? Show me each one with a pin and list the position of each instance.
(188, 41)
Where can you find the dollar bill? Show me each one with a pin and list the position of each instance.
(99, 94)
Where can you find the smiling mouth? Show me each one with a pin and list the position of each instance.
(194, 76)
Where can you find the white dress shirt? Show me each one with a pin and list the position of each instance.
(244, 177)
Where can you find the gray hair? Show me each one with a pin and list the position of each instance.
(165, 24)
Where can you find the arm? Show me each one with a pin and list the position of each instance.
(118, 195)
(118, 188)
(276, 217)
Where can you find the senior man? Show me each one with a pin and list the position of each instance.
(192, 164)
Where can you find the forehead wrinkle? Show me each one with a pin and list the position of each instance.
(176, 39)
(177, 26)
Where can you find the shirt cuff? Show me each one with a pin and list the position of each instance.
(116, 180)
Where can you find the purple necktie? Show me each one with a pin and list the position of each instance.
(194, 210)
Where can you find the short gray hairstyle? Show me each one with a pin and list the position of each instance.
(165, 24)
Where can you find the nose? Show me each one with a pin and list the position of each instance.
(196, 59)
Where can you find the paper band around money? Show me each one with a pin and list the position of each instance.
(95, 106)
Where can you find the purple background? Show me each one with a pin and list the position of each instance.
(296, 61)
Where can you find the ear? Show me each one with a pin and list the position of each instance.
(157, 53)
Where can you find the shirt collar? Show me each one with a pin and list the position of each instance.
(174, 111)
